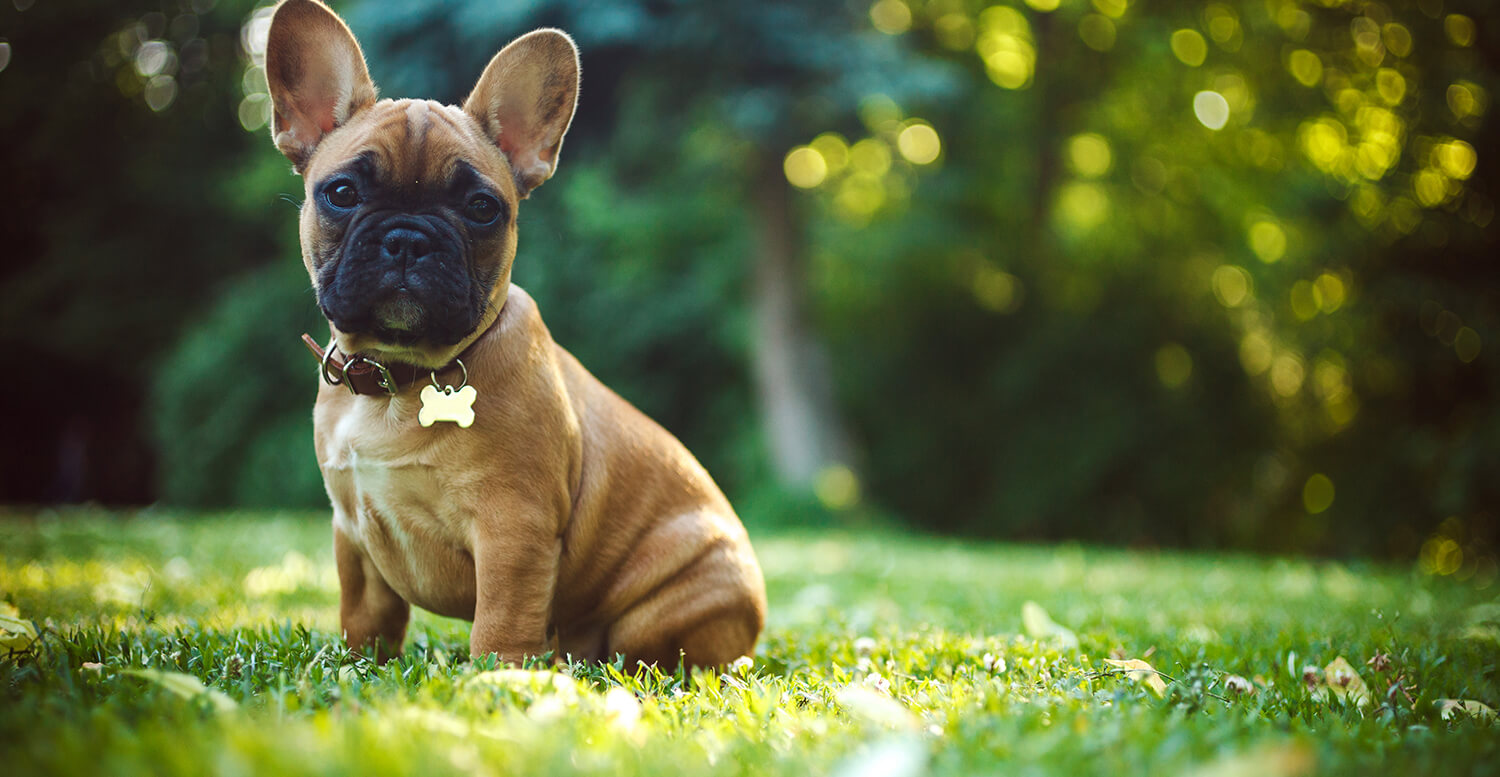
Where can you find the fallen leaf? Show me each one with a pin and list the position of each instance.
(875, 707)
(1039, 625)
(1287, 759)
(622, 709)
(16, 633)
(901, 756)
(93, 666)
(1450, 709)
(1345, 683)
(564, 686)
(1141, 672)
(186, 686)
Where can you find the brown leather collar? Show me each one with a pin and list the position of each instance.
(363, 375)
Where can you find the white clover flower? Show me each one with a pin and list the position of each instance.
(1238, 685)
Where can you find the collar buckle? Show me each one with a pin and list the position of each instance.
(385, 380)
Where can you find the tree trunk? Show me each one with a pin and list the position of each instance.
(792, 373)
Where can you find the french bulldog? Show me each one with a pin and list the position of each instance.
(475, 468)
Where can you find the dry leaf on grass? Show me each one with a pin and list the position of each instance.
(1283, 759)
(1345, 683)
(536, 682)
(1451, 709)
(16, 633)
(186, 686)
(1141, 672)
(875, 707)
(1039, 625)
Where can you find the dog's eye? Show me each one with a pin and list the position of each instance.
(482, 209)
(342, 194)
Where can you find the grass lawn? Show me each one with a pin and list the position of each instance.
(886, 654)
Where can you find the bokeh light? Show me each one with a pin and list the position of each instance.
(1256, 353)
(1397, 39)
(1466, 99)
(1089, 155)
(1267, 239)
(1223, 26)
(1211, 109)
(891, 17)
(805, 167)
(870, 156)
(1174, 365)
(1331, 291)
(1081, 207)
(954, 30)
(1097, 32)
(1189, 47)
(1467, 344)
(1305, 66)
(997, 290)
(1111, 8)
(834, 149)
(1232, 285)
(919, 144)
(1005, 46)
(1390, 85)
(1460, 29)
(1317, 493)
(837, 487)
(1287, 374)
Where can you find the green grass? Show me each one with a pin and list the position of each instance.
(874, 662)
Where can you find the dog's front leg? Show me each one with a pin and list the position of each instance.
(372, 615)
(515, 563)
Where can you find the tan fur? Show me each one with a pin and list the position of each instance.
(563, 519)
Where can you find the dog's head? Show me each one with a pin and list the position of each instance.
(409, 222)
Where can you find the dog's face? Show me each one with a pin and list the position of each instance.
(409, 223)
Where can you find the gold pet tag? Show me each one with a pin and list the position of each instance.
(448, 403)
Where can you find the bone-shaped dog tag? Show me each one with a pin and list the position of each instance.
(447, 404)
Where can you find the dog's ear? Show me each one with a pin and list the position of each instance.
(316, 74)
(524, 102)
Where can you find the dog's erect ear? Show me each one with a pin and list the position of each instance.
(525, 101)
(316, 74)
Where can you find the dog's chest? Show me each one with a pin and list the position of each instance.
(397, 502)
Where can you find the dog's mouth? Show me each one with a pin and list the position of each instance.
(400, 312)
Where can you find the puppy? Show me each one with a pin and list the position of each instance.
(476, 469)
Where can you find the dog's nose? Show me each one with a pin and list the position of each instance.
(402, 244)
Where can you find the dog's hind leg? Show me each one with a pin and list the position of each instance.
(372, 615)
(707, 615)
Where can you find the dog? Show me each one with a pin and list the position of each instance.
(475, 468)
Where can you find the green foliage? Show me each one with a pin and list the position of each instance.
(890, 648)
(1089, 315)
(1096, 315)
(234, 402)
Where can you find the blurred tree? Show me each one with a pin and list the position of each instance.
(1292, 184)
(1206, 274)
(764, 73)
(116, 231)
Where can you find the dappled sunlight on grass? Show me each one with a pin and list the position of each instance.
(952, 655)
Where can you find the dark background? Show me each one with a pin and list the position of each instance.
(1091, 316)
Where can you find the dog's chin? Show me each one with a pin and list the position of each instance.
(401, 314)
